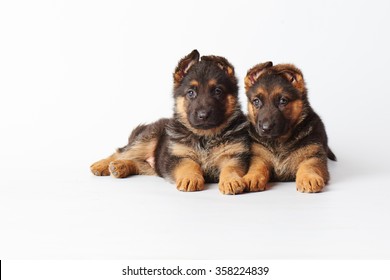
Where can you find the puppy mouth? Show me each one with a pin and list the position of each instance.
(268, 133)
(206, 121)
(205, 125)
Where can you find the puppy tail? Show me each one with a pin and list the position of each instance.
(331, 155)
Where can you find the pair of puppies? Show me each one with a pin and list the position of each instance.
(209, 139)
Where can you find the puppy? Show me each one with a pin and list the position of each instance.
(206, 140)
(289, 138)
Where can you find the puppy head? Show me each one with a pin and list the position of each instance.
(276, 98)
(205, 92)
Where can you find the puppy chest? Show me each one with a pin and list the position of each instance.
(202, 155)
(285, 168)
(210, 157)
(280, 161)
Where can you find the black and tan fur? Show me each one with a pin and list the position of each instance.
(289, 138)
(205, 141)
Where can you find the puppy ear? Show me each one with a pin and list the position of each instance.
(292, 74)
(222, 63)
(255, 72)
(184, 66)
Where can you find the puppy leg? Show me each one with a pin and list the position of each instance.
(312, 175)
(122, 168)
(125, 163)
(258, 175)
(188, 176)
(100, 168)
(259, 169)
(230, 178)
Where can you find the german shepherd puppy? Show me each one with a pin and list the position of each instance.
(289, 138)
(205, 141)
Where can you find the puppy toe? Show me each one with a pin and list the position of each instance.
(100, 168)
(255, 183)
(233, 185)
(118, 169)
(310, 183)
(190, 184)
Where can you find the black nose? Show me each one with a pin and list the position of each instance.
(266, 126)
(203, 114)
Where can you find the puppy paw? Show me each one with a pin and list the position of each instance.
(310, 183)
(232, 185)
(100, 168)
(190, 184)
(255, 183)
(119, 169)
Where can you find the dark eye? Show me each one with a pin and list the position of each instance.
(256, 102)
(283, 101)
(191, 94)
(217, 91)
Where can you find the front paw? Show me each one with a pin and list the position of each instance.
(310, 183)
(119, 169)
(190, 184)
(232, 185)
(255, 182)
(100, 168)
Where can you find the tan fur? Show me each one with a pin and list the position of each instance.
(208, 160)
(100, 168)
(220, 157)
(285, 167)
(292, 163)
(292, 73)
(194, 83)
(258, 174)
(312, 175)
(129, 162)
(302, 162)
(212, 83)
(177, 77)
(247, 82)
(181, 150)
(122, 168)
(293, 111)
(230, 71)
(230, 179)
(230, 106)
(141, 151)
(183, 67)
(188, 176)
(252, 113)
(276, 90)
(255, 72)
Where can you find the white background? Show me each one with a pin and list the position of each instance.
(77, 76)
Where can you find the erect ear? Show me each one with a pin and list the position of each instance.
(184, 66)
(292, 74)
(255, 72)
(222, 63)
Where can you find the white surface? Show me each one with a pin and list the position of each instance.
(77, 76)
